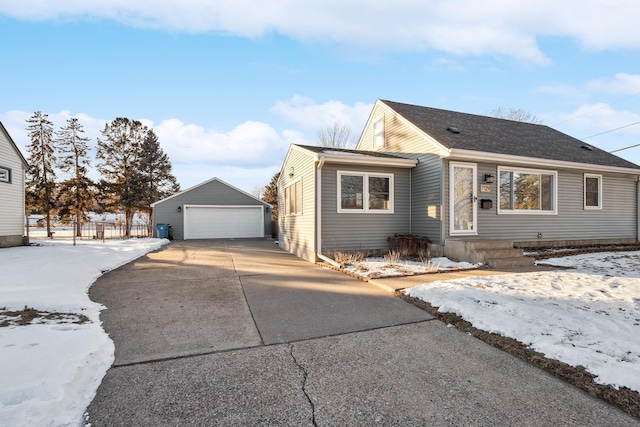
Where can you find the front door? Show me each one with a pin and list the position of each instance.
(462, 194)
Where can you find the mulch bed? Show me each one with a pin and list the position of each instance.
(546, 253)
(626, 399)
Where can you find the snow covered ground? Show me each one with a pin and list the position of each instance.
(50, 371)
(588, 315)
(375, 267)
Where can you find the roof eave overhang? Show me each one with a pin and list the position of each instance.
(368, 161)
(460, 154)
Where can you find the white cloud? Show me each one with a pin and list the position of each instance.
(250, 143)
(307, 113)
(622, 83)
(463, 27)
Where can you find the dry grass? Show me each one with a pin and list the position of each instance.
(30, 316)
(392, 258)
(626, 399)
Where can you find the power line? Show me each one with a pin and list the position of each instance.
(610, 130)
(624, 148)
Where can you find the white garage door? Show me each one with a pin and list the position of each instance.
(221, 222)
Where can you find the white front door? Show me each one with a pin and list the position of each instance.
(462, 195)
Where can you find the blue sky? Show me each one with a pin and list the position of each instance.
(227, 86)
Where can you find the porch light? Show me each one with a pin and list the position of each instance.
(179, 208)
(489, 179)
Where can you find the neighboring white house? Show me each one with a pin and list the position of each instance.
(12, 172)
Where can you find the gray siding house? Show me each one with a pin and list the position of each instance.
(213, 209)
(466, 182)
(12, 180)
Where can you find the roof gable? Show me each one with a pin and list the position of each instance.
(14, 146)
(214, 179)
(504, 137)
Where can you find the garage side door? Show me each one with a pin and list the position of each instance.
(221, 222)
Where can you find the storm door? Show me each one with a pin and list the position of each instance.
(462, 194)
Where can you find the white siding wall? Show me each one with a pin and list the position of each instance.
(11, 194)
(296, 233)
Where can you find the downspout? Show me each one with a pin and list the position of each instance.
(410, 202)
(318, 213)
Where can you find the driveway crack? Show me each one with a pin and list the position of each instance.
(304, 385)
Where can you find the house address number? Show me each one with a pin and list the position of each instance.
(485, 188)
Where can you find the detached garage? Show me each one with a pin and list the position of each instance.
(213, 210)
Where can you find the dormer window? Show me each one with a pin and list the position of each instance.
(378, 134)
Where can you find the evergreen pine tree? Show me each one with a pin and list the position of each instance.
(154, 178)
(117, 154)
(75, 192)
(41, 177)
(270, 195)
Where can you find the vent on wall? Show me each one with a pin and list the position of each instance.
(453, 129)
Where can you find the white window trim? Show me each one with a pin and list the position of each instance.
(584, 191)
(365, 192)
(381, 132)
(286, 205)
(474, 231)
(554, 200)
(6, 175)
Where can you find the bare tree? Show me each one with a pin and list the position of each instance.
(334, 136)
(516, 114)
(257, 191)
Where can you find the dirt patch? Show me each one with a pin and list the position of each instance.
(554, 252)
(30, 316)
(626, 399)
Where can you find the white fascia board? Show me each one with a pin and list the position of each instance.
(459, 154)
(369, 160)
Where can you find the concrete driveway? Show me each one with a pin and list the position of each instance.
(239, 332)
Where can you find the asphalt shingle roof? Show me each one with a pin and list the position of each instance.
(500, 136)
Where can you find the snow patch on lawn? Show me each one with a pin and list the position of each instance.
(50, 372)
(587, 316)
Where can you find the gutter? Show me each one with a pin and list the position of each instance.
(477, 156)
(638, 209)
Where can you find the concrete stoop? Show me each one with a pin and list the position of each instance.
(493, 253)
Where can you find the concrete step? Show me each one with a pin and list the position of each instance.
(510, 262)
(501, 253)
(479, 245)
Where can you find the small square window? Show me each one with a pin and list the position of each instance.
(5, 175)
